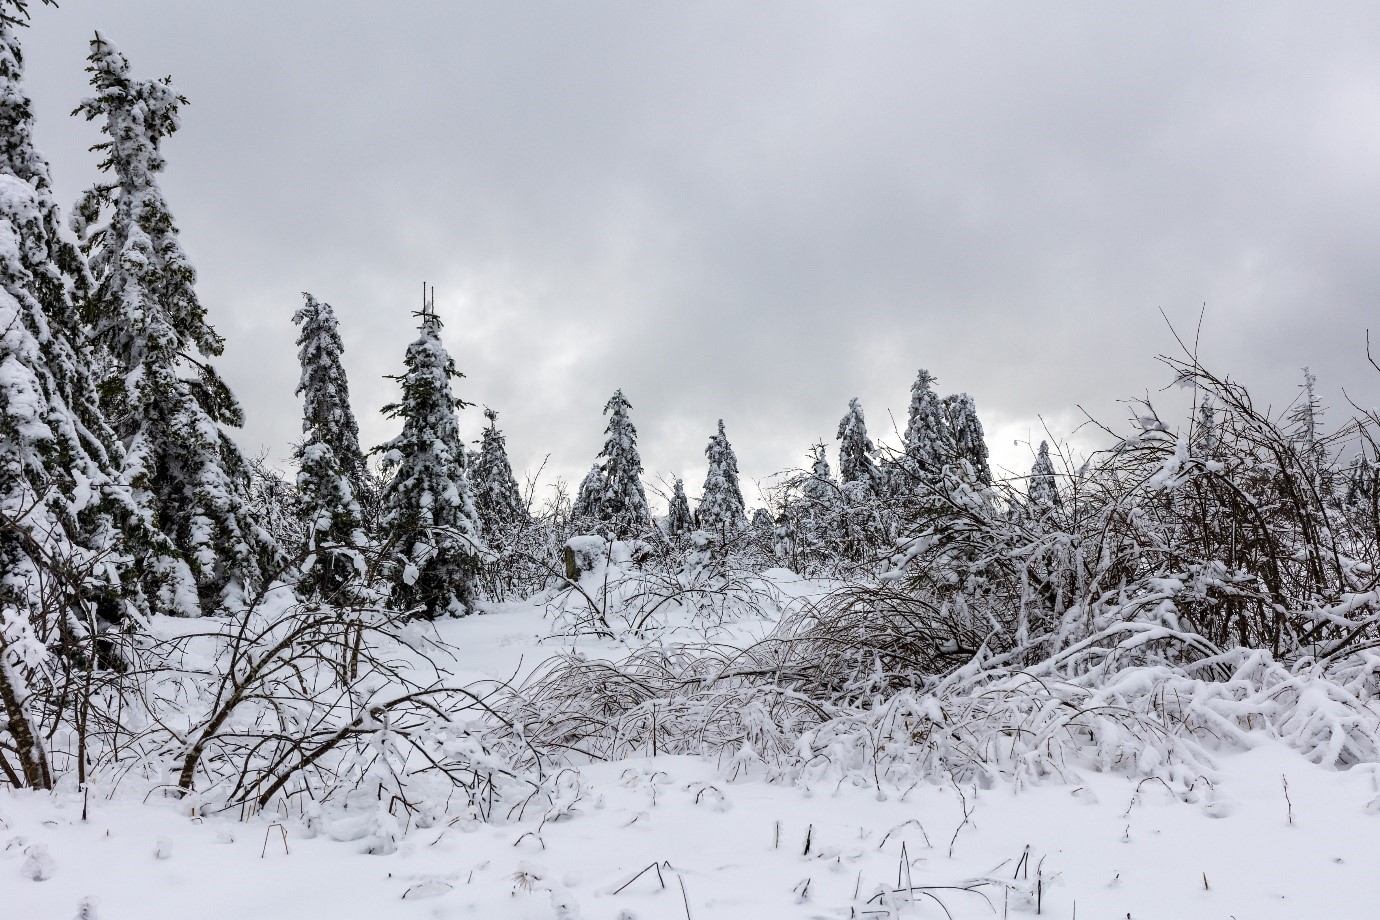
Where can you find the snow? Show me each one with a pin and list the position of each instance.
(739, 850)
(1271, 835)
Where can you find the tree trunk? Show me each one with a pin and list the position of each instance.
(28, 741)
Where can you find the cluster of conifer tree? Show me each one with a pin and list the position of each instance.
(120, 490)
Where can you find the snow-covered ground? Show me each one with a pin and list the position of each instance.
(1274, 836)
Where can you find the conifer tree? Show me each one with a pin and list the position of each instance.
(1360, 484)
(783, 537)
(428, 513)
(331, 472)
(589, 499)
(624, 505)
(1305, 422)
(1206, 433)
(928, 444)
(855, 447)
(819, 485)
(721, 502)
(163, 398)
(61, 504)
(679, 521)
(1042, 491)
(331, 516)
(497, 498)
(812, 526)
(965, 434)
(325, 391)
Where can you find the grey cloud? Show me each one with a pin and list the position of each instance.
(757, 211)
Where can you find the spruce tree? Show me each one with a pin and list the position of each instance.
(856, 448)
(783, 537)
(331, 472)
(679, 521)
(928, 444)
(164, 400)
(325, 391)
(1360, 480)
(813, 527)
(428, 513)
(497, 498)
(1304, 422)
(624, 505)
(1207, 435)
(965, 434)
(331, 515)
(1042, 490)
(721, 503)
(61, 504)
(819, 485)
(589, 499)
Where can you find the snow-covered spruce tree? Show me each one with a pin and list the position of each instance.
(966, 435)
(273, 504)
(325, 391)
(721, 506)
(428, 516)
(819, 486)
(624, 505)
(1207, 434)
(60, 500)
(331, 517)
(332, 475)
(160, 393)
(589, 499)
(1042, 491)
(1304, 423)
(497, 498)
(929, 444)
(1360, 480)
(811, 520)
(1305, 418)
(679, 521)
(783, 537)
(858, 526)
(855, 447)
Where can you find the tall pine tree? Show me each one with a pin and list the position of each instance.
(589, 498)
(819, 487)
(856, 448)
(331, 515)
(164, 400)
(721, 503)
(679, 520)
(1304, 423)
(428, 513)
(325, 390)
(966, 435)
(928, 442)
(61, 504)
(624, 506)
(497, 498)
(1042, 490)
(331, 472)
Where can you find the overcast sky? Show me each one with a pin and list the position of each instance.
(756, 211)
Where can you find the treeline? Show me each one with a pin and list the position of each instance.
(123, 490)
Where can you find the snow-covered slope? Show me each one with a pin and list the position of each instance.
(1270, 835)
(1104, 848)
